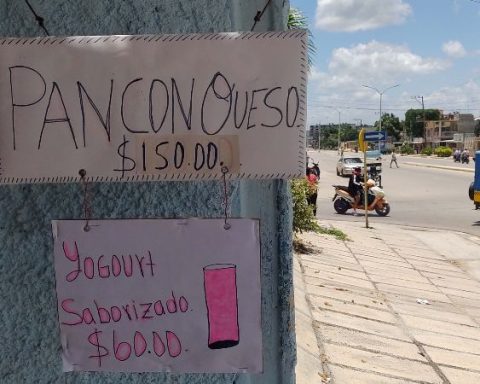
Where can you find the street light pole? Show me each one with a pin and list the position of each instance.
(338, 134)
(319, 134)
(381, 95)
(338, 128)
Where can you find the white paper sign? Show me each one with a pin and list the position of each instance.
(161, 107)
(159, 295)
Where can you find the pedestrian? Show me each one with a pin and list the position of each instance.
(394, 159)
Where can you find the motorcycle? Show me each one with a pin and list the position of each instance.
(343, 201)
(375, 175)
(465, 158)
(456, 157)
(471, 194)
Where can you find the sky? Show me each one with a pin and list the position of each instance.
(430, 48)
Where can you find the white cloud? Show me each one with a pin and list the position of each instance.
(375, 60)
(456, 98)
(360, 15)
(454, 48)
(374, 63)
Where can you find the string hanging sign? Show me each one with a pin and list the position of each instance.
(162, 107)
(159, 295)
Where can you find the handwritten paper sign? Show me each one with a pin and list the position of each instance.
(159, 295)
(160, 107)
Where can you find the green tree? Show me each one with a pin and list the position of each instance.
(391, 124)
(348, 132)
(328, 137)
(303, 217)
(414, 120)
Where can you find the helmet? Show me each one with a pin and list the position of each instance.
(357, 169)
(370, 183)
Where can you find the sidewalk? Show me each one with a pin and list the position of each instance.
(451, 168)
(393, 305)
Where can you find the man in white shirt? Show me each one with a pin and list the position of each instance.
(394, 159)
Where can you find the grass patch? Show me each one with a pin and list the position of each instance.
(299, 246)
(337, 233)
(306, 248)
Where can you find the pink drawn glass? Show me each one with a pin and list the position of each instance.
(220, 284)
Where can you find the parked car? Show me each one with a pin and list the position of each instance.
(346, 164)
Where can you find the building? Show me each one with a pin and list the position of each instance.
(447, 129)
(472, 143)
(313, 134)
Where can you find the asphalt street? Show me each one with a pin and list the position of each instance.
(419, 195)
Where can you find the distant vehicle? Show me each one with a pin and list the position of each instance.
(377, 155)
(474, 189)
(346, 164)
(375, 173)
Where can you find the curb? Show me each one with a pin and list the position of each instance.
(468, 170)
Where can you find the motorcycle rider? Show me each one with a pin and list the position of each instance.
(465, 156)
(354, 187)
(456, 155)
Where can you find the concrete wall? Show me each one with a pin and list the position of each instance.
(29, 335)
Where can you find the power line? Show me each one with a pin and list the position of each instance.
(468, 105)
(343, 107)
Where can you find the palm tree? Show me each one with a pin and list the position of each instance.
(303, 217)
(297, 20)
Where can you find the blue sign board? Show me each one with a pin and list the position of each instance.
(476, 186)
(375, 136)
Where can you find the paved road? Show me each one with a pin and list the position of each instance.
(419, 196)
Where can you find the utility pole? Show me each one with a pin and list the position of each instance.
(338, 128)
(339, 142)
(319, 134)
(418, 98)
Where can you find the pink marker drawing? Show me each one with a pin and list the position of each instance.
(220, 283)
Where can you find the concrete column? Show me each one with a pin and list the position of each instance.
(30, 344)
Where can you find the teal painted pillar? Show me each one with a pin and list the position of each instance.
(29, 337)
